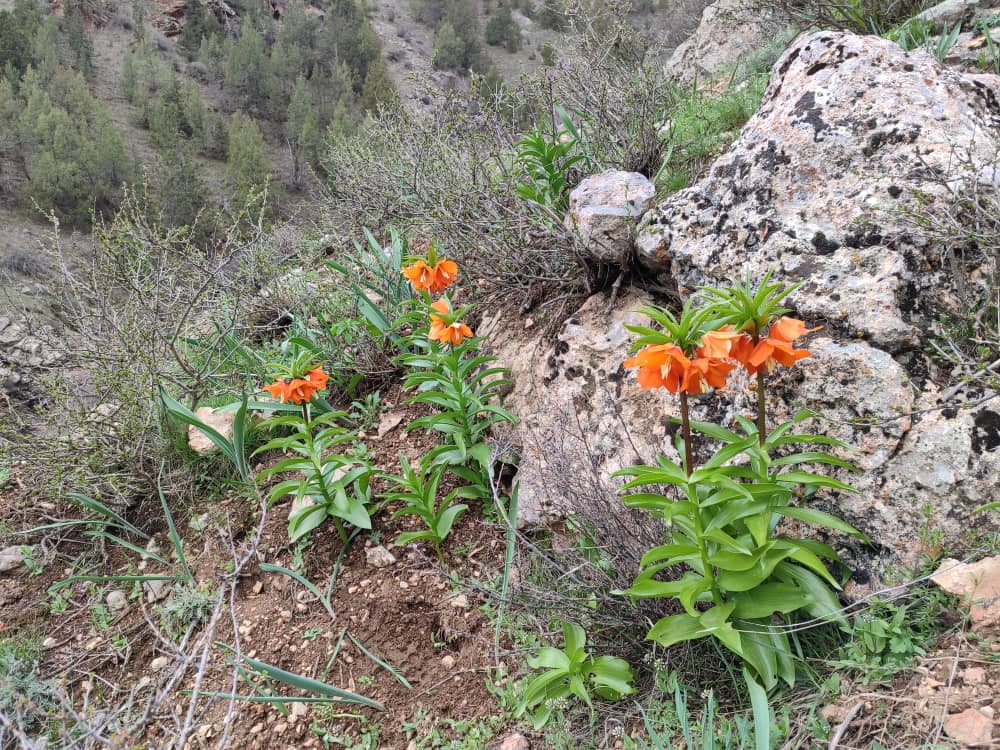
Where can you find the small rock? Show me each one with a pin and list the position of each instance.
(117, 600)
(49, 642)
(603, 210)
(159, 663)
(969, 727)
(13, 557)
(379, 557)
(977, 584)
(144, 682)
(974, 676)
(92, 644)
(460, 602)
(257, 728)
(258, 587)
(389, 422)
(448, 662)
(156, 590)
(515, 741)
(221, 422)
(300, 709)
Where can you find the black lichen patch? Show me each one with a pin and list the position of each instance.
(895, 191)
(807, 111)
(986, 435)
(877, 140)
(824, 245)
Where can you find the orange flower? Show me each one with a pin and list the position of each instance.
(434, 280)
(441, 330)
(660, 366)
(705, 372)
(445, 273)
(420, 275)
(777, 347)
(719, 343)
(666, 366)
(298, 390)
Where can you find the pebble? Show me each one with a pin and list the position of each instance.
(379, 557)
(353, 589)
(300, 607)
(974, 676)
(461, 601)
(516, 741)
(92, 644)
(257, 728)
(49, 642)
(404, 585)
(258, 587)
(159, 663)
(117, 600)
(13, 557)
(448, 662)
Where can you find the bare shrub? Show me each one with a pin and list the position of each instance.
(862, 16)
(148, 309)
(23, 262)
(451, 174)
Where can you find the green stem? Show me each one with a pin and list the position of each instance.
(692, 492)
(686, 434)
(317, 462)
(761, 410)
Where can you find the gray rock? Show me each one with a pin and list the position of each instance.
(729, 31)
(13, 557)
(819, 180)
(603, 211)
(156, 590)
(117, 600)
(379, 557)
(951, 11)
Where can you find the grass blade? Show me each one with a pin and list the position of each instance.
(313, 589)
(384, 664)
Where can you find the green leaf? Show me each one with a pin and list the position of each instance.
(768, 599)
(821, 518)
(761, 712)
(311, 587)
(612, 677)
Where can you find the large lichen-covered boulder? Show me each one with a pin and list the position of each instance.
(817, 186)
(821, 180)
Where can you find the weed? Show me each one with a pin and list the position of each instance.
(186, 608)
(24, 696)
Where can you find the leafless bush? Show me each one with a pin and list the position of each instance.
(452, 175)
(23, 263)
(862, 16)
(148, 309)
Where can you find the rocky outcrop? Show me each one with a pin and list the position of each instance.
(23, 350)
(817, 186)
(603, 211)
(819, 183)
(730, 32)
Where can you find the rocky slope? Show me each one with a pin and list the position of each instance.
(853, 138)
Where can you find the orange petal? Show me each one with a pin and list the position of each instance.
(788, 329)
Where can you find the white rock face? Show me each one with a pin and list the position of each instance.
(13, 557)
(604, 209)
(819, 180)
(729, 32)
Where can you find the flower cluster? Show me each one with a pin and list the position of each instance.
(298, 390)
(668, 366)
(445, 324)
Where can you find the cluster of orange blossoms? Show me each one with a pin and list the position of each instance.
(436, 279)
(667, 366)
(298, 390)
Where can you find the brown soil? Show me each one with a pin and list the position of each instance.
(413, 614)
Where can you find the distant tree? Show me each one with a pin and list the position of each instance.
(378, 88)
(199, 23)
(430, 12)
(17, 31)
(503, 29)
(548, 53)
(247, 161)
(74, 155)
(302, 133)
(77, 38)
(449, 49)
(286, 63)
(45, 48)
(246, 70)
(181, 194)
